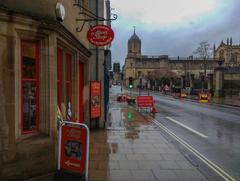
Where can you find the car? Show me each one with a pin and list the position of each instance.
(203, 97)
(183, 95)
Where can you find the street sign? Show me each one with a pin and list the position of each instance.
(73, 150)
(145, 101)
(100, 35)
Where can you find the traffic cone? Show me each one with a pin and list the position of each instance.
(154, 109)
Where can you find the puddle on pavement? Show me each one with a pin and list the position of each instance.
(125, 138)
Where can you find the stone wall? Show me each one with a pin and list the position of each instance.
(44, 10)
(24, 156)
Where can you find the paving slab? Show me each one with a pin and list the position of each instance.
(133, 148)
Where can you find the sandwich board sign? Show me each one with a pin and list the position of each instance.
(73, 148)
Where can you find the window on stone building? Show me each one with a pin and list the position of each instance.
(235, 56)
(80, 92)
(139, 73)
(29, 87)
(221, 54)
(64, 83)
(68, 102)
(59, 76)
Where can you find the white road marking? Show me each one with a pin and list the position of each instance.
(208, 162)
(186, 127)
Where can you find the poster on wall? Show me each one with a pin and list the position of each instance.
(95, 93)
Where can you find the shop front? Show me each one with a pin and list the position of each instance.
(44, 67)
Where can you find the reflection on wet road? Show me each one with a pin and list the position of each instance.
(220, 124)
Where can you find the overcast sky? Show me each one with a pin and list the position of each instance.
(173, 27)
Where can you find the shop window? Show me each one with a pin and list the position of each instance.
(29, 87)
(59, 76)
(68, 86)
(80, 93)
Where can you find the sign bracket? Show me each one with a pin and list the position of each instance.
(89, 16)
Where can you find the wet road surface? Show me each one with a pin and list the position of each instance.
(211, 129)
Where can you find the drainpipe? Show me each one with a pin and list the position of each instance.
(97, 58)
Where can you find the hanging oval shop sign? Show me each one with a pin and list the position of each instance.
(100, 35)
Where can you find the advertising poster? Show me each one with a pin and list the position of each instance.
(95, 95)
(73, 149)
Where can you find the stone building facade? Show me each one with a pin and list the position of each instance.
(141, 67)
(229, 54)
(44, 65)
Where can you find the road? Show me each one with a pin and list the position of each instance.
(213, 130)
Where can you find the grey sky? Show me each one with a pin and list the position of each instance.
(178, 36)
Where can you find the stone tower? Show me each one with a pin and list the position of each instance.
(134, 45)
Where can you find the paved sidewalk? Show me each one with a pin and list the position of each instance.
(133, 148)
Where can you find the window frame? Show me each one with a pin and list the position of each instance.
(36, 80)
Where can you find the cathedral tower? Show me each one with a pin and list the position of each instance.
(134, 45)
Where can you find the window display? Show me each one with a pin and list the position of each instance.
(29, 86)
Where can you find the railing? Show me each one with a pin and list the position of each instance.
(189, 58)
(233, 70)
(154, 56)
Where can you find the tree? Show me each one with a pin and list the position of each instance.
(162, 76)
(205, 52)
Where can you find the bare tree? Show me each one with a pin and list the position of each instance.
(204, 51)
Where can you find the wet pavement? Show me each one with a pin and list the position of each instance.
(133, 148)
(212, 129)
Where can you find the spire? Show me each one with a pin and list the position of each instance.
(227, 41)
(134, 30)
(231, 41)
(214, 50)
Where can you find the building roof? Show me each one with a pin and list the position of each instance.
(134, 36)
